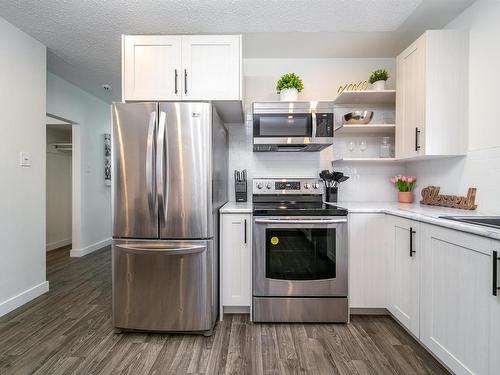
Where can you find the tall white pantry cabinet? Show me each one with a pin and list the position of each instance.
(181, 67)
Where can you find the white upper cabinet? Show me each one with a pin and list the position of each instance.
(151, 67)
(211, 67)
(432, 96)
(181, 67)
(404, 272)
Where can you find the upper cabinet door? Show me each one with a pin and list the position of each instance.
(410, 113)
(151, 67)
(432, 96)
(211, 67)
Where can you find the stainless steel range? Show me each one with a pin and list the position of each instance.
(299, 253)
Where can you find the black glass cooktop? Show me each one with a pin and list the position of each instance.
(297, 209)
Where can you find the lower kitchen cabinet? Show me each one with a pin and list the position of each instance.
(459, 314)
(236, 258)
(368, 251)
(404, 277)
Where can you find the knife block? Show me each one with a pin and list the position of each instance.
(240, 191)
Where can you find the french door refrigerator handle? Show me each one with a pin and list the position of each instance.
(149, 162)
(163, 251)
(160, 152)
(496, 288)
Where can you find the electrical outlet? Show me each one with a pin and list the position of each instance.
(25, 159)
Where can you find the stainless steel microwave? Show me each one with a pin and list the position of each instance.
(292, 126)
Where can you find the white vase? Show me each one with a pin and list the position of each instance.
(289, 95)
(379, 85)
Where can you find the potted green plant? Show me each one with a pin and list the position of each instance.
(289, 86)
(378, 78)
(405, 186)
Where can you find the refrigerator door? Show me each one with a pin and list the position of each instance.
(135, 213)
(164, 285)
(184, 160)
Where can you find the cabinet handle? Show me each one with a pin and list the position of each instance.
(496, 288)
(417, 136)
(412, 232)
(185, 81)
(176, 76)
(245, 230)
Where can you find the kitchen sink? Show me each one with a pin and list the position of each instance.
(485, 221)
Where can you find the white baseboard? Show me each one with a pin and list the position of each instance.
(24, 297)
(57, 244)
(89, 249)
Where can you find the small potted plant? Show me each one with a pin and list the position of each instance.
(405, 185)
(378, 78)
(289, 86)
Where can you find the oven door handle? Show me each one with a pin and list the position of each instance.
(301, 221)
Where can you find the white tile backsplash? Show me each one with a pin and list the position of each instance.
(368, 182)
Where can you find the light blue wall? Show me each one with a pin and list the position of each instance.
(94, 117)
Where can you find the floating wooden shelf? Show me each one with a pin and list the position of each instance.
(366, 129)
(366, 97)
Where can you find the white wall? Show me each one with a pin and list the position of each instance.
(94, 118)
(22, 189)
(58, 193)
(481, 167)
(321, 78)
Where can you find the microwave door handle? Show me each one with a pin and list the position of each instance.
(314, 124)
(298, 221)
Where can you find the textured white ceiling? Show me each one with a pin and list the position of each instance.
(83, 36)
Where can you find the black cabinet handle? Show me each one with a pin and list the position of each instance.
(412, 232)
(176, 75)
(245, 230)
(417, 136)
(496, 288)
(185, 81)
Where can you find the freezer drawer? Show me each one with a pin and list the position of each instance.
(164, 285)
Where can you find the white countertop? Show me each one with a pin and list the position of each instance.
(425, 214)
(415, 211)
(236, 208)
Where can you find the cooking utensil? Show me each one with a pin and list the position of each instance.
(358, 117)
(343, 179)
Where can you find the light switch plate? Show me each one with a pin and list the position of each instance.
(25, 159)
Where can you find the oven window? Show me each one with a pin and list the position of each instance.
(300, 254)
(283, 125)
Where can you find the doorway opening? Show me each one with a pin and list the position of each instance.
(62, 184)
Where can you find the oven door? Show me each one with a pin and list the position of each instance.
(300, 256)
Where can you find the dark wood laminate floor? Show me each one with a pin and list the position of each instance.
(68, 330)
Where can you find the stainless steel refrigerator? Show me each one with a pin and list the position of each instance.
(169, 181)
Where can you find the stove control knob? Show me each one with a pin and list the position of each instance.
(306, 186)
(268, 185)
(259, 185)
(316, 185)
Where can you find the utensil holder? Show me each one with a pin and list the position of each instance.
(331, 194)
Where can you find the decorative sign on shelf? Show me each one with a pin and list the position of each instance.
(361, 85)
(431, 197)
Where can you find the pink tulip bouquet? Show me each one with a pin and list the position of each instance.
(405, 185)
